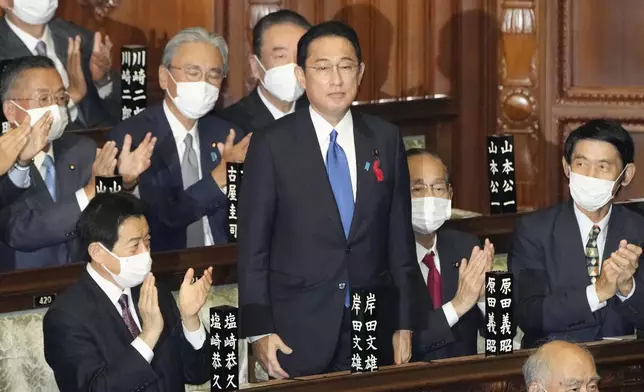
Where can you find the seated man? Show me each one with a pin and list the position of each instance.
(560, 367)
(38, 229)
(278, 93)
(454, 288)
(576, 262)
(96, 336)
(83, 59)
(184, 186)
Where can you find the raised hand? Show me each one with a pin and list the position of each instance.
(103, 166)
(100, 63)
(265, 350)
(230, 152)
(77, 85)
(626, 258)
(11, 143)
(471, 278)
(37, 140)
(151, 317)
(132, 163)
(192, 296)
(606, 284)
(489, 248)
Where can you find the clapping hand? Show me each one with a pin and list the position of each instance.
(626, 262)
(101, 61)
(132, 163)
(192, 296)
(151, 317)
(230, 152)
(12, 143)
(77, 85)
(103, 166)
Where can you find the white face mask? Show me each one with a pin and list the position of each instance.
(134, 269)
(34, 12)
(591, 193)
(429, 213)
(59, 123)
(194, 99)
(281, 82)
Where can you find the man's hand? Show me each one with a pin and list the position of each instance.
(132, 163)
(103, 166)
(151, 318)
(11, 143)
(471, 278)
(77, 85)
(626, 258)
(37, 139)
(402, 346)
(192, 296)
(489, 248)
(230, 152)
(606, 284)
(100, 63)
(265, 349)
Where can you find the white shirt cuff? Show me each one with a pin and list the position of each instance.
(19, 176)
(481, 306)
(593, 299)
(622, 298)
(73, 111)
(83, 200)
(450, 314)
(195, 338)
(143, 349)
(253, 339)
(106, 90)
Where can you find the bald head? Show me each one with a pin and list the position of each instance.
(560, 366)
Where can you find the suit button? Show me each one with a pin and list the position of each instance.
(347, 250)
(341, 286)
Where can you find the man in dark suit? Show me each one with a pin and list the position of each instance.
(325, 206)
(576, 263)
(38, 229)
(272, 63)
(96, 337)
(184, 186)
(83, 59)
(455, 287)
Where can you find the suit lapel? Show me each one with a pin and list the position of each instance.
(67, 168)
(260, 116)
(447, 255)
(14, 45)
(60, 44)
(166, 147)
(615, 232)
(208, 149)
(570, 247)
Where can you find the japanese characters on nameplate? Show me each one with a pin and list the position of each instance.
(133, 80)
(364, 331)
(224, 349)
(5, 126)
(234, 173)
(108, 184)
(499, 327)
(501, 174)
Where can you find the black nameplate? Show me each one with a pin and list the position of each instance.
(134, 83)
(364, 331)
(109, 184)
(234, 174)
(224, 354)
(499, 313)
(501, 174)
(43, 301)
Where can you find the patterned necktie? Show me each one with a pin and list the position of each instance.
(190, 175)
(50, 176)
(434, 285)
(41, 48)
(127, 316)
(337, 168)
(592, 254)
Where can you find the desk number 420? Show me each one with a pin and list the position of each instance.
(44, 300)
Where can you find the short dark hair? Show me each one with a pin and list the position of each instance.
(419, 152)
(332, 28)
(272, 19)
(604, 130)
(14, 68)
(100, 221)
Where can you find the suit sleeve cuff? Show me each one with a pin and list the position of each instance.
(83, 200)
(105, 90)
(195, 338)
(481, 306)
(593, 299)
(450, 314)
(20, 176)
(73, 111)
(622, 298)
(253, 339)
(143, 349)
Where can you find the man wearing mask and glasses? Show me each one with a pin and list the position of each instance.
(452, 263)
(38, 229)
(277, 94)
(576, 263)
(185, 185)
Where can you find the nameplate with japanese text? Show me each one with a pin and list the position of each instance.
(501, 174)
(499, 313)
(134, 85)
(224, 354)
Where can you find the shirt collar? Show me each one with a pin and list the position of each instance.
(40, 157)
(178, 130)
(585, 224)
(421, 251)
(112, 291)
(275, 112)
(29, 40)
(323, 128)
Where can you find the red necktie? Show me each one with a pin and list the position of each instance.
(433, 281)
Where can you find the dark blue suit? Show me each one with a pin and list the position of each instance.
(548, 261)
(171, 208)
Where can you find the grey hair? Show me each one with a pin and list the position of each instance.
(536, 367)
(195, 34)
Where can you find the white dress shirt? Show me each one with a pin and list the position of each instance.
(585, 226)
(277, 114)
(196, 338)
(81, 196)
(448, 308)
(179, 132)
(31, 42)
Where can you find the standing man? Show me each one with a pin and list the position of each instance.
(272, 63)
(83, 59)
(325, 207)
(576, 263)
(456, 290)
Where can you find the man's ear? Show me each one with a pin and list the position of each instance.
(255, 68)
(163, 77)
(361, 68)
(629, 174)
(566, 167)
(301, 77)
(9, 110)
(96, 252)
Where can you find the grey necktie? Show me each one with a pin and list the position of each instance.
(190, 175)
(41, 48)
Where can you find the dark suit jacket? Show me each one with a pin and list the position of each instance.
(9, 192)
(251, 114)
(294, 258)
(95, 111)
(88, 346)
(548, 261)
(171, 208)
(38, 232)
(439, 340)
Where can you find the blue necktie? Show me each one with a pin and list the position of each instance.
(50, 176)
(337, 168)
